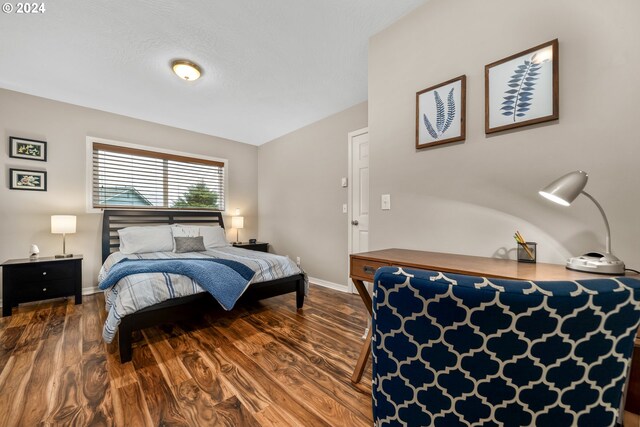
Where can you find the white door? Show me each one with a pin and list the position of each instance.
(359, 192)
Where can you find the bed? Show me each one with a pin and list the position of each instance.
(184, 307)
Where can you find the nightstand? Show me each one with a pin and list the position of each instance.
(25, 280)
(257, 246)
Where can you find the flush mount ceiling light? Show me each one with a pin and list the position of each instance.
(186, 70)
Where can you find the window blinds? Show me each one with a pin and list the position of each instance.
(133, 178)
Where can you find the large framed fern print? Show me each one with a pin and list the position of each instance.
(440, 113)
(522, 89)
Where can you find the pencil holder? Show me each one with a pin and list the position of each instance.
(530, 256)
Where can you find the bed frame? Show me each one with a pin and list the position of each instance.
(184, 307)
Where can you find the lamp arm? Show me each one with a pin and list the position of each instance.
(606, 222)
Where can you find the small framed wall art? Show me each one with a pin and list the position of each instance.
(522, 89)
(22, 179)
(440, 113)
(22, 148)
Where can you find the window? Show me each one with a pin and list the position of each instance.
(134, 178)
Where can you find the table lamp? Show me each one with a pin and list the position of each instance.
(63, 224)
(563, 191)
(237, 222)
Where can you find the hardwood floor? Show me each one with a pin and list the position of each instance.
(631, 420)
(263, 364)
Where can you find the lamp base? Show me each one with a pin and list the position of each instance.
(595, 262)
(64, 256)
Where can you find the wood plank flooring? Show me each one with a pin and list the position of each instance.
(631, 420)
(263, 364)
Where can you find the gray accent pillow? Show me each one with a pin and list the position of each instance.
(189, 244)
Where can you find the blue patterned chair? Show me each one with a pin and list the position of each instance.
(452, 350)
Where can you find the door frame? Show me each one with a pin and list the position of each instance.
(350, 137)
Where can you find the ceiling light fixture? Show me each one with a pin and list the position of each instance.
(186, 70)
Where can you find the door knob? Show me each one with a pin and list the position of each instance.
(355, 222)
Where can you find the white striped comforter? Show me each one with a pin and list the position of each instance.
(138, 291)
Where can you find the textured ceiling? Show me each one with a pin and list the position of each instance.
(270, 67)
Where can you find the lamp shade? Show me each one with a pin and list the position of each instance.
(237, 222)
(63, 224)
(565, 189)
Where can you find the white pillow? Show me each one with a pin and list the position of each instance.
(138, 240)
(213, 236)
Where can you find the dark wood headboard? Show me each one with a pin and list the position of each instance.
(115, 219)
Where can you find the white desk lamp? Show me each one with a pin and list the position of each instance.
(563, 191)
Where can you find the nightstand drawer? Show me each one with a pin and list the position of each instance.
(43, 290)
(24, 274)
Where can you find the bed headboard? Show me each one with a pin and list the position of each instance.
(115, 219)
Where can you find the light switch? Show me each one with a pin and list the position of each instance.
(344, 208)
(344, 182)
(385, 202)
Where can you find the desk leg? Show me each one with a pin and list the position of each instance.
(366, 347)
(362, 360)
(364, 295)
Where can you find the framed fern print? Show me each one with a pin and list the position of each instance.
(522, 89)
(440, 113)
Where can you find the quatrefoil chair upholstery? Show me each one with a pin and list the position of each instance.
(452, 350)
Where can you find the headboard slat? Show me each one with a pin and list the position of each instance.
(116, 219)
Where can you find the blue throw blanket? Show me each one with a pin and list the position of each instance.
(226, 280)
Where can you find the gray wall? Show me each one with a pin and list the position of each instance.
(300, 196)
(470, 197)
(25, 216)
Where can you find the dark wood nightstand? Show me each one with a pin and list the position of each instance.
(25, 280)
(257, 246)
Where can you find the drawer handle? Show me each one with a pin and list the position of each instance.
(44, 273)
(369, 270)
(44, 289)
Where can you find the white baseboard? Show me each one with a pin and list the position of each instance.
(330, 285)
(319, 282)
(90, 291)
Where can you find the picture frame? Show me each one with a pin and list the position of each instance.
(522, 89)
(30, 149)
(441, 113)
(29, 180)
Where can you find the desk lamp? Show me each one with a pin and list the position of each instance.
(563, 191)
